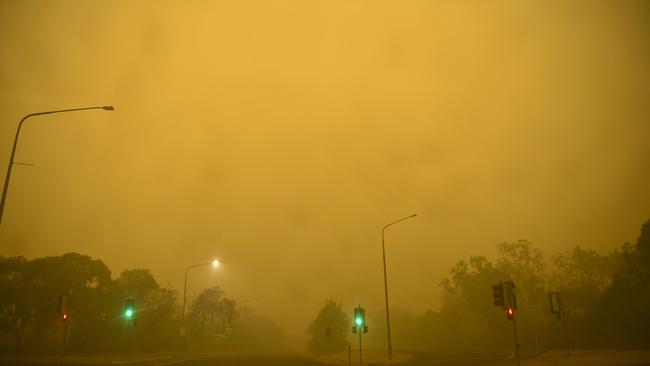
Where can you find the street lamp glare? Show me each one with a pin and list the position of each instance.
(108, 108)
(215, 263)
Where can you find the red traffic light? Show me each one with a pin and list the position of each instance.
(64, 316)
(510, 313)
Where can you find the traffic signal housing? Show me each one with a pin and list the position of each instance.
(63, 308)
(556, 304)
(359, 320)
(503, 294)
(129, 309)
(359, 316)
(510, 295)
(498, 295)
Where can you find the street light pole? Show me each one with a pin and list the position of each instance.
(383, 253)
(13, 149)
(214, 263)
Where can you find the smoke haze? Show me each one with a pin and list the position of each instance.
(282, 136)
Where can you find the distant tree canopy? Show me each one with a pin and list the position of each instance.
(31, 290)
(625, 303)
(605, 296)
(257, 331)
(328, 332)
(605, 299)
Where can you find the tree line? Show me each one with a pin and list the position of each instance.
(605, 298)
(30, 318)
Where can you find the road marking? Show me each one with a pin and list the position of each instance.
(176, 361)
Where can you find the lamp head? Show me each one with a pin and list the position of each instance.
(215, 263)
(108, 108)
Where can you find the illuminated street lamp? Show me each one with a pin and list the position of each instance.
(13, 150)
(383, 252)
(215, 263)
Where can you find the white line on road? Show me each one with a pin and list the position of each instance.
(176, 361)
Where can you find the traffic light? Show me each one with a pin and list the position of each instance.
(129, 309)
(63, 307)
(510, 313)
(498, 296)
(359, 320)
(556, 304)
(359, 316)
(509, 294)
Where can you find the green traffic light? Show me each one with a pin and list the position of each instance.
(128, 313)
(359, 321)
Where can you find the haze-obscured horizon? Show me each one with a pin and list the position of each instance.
(281, 136)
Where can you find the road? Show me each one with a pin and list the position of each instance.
(253, 359)
(456, 359)
(221, 359)
(551, 358)
(241, 359)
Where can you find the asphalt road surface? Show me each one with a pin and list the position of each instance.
(221, 359)
(278, 359)
(240, 359)
(550, 358)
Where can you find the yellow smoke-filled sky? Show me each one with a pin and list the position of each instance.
(282, 135)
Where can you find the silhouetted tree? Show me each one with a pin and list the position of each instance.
(256, 332)
(16, 310)
(157, 322)
(467, 317)
(210, 317)
(624, 309)
(328, 332)
(581, 276)
(33, 289)
(137, 284)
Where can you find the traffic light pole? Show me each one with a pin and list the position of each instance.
(65, 336)
(514, 332)
(557, 308)
(349, 354)
(566, 333)
(360, 346)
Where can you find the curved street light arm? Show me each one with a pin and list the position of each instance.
(13, 149)
(185, 285)
(400, 220)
